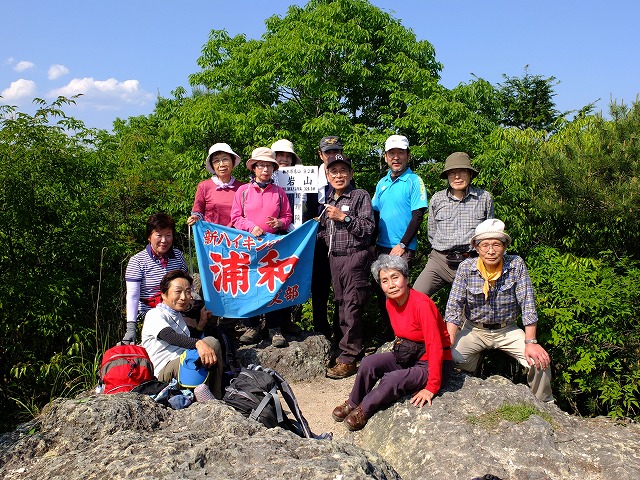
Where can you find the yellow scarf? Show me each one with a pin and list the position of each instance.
(490, 276)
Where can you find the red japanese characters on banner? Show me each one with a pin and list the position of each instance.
(243, 275)
(274, 268)
(230, 274)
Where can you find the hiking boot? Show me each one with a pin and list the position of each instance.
(342, 411)
(277, 339)
(342, 370)
(250, 336)
(356, 420)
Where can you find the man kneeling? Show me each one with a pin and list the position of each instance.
(166, 335)
(490, 291)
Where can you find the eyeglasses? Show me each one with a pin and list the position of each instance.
(496, 246)
(263, 166)
(341, 173)
(221, 160)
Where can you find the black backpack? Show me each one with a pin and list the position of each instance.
(256, 393)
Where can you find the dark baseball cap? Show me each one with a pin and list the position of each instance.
(331, 143)
(340, 159)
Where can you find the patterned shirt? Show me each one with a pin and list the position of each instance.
(355, 235)
(143, 275)
(452, 222)
(512, 294)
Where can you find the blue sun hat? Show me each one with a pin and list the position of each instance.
(191, 372)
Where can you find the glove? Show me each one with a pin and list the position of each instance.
(130, 336)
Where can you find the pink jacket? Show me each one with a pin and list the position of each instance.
(252, 206)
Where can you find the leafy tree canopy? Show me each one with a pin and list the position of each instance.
(527, 101)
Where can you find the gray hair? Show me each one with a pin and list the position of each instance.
(388, 262)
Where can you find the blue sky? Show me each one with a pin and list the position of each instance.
(122, 55)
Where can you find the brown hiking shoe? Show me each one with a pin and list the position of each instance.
(342, 370)
(356, 420)
(341, 411)
(250, 336)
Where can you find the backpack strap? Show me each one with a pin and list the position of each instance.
(290, 398)
(268, 397)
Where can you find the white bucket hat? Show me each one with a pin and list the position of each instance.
(262, 154)
(220, 147)
(284, 145)
(490, 228)
(396, 141)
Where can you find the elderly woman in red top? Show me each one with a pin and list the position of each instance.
(214, 196)
(420, 362)
(261, 207)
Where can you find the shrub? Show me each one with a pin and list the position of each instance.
(587, 311)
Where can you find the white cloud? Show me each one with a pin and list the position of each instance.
(8, 61)
(57, 71)
(23, 65)
(107, 94)
(19, 89)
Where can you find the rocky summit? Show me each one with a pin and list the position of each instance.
(474, 428)
(129, 436)
(492, 427)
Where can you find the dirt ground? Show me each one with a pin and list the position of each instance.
(317, 399)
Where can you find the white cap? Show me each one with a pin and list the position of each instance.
(220, 147)
(491, 228)
(396, 141)
(284, 145)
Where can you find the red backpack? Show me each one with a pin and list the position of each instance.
(125, 367)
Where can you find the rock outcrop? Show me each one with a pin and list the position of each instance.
(474, 427)
(465, 435)
(129, 436)
(306, 357)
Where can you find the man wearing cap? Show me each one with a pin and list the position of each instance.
(329, 147)
(454, 213)
(346, 225)
(491, 291)
(399, 204)
(214, 196)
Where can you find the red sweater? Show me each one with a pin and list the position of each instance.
(420, 321)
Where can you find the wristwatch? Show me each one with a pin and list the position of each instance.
(402, 246)
(533, 340)
(347, 219)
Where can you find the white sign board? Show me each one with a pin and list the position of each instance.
(298, 180)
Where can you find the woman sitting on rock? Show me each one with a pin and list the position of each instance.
(166, 335)
(421, 358)
(146, 269)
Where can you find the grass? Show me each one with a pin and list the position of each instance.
(514, 413)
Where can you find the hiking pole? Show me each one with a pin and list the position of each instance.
(190, 255)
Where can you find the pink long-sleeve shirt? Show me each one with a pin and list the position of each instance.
(252, 206)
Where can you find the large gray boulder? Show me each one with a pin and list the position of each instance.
(306, 357)
(462, 436)
(128, 436)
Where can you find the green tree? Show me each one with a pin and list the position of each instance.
(332, 67)
(527, 101)
(51, 240)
